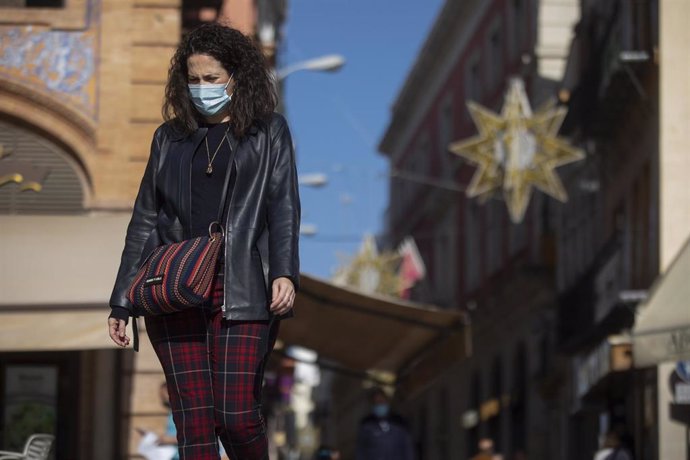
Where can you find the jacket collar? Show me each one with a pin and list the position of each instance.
(178, 136)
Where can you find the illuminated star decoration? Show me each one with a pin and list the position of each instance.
(371, 271)
(517, 150)
(27, 175)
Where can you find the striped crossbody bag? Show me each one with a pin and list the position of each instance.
(181, 275)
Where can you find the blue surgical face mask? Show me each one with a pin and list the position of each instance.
(380, 410)
(209, 99)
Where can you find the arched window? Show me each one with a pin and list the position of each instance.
(36, 175)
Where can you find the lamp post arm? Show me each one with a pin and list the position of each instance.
(328, 63)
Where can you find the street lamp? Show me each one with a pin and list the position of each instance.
(308, 229)
(328, 63)
(313, 180)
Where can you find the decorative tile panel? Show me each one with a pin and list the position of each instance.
(60, 62)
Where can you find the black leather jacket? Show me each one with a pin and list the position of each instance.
(263, 219)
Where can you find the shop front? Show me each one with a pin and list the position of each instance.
(58, 372)
(662, 346)
(604, 396)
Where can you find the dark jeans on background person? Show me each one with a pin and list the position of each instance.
(214, 371)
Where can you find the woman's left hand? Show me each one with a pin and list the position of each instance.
(283, 296)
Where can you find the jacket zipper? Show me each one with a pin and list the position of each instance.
(223, 307)
(189, 189)
(189, 221)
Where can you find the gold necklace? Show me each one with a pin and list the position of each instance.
(209, 169)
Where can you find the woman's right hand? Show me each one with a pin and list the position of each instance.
(117, 328)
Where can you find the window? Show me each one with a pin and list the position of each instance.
(518, 407)
(518, 237)
(445, 261)
(445, 135)
(472, 224)
(443, 424)
(42, 165)
(53, 15)
(396, 203)
(544, 356)
(416, 163)
(495, 54)
(39, 396)
(420, 158)
(473, 80)
(494, 251)
(518, 27)
(32, 3)
(422, 427)
(475, 398)
(496, 392)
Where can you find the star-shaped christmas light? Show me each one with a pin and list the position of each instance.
(371, 271)
(517, 150)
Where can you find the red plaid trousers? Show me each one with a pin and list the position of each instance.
(214, 371)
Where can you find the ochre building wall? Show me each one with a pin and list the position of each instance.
(91, 77)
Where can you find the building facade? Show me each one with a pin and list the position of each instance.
(552, 300)
(607, 233)
(477, 261)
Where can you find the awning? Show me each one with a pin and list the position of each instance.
(662, 329)
(60, 260)
(595, 371)
(370, 332)
(54, 329)
(56, 274)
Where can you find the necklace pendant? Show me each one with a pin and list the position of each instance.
(209, 170)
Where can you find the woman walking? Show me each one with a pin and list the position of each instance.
(219, 103)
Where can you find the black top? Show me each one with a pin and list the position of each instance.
(208, 188)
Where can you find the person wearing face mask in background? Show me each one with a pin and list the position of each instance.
(383, 435)
(221, 132)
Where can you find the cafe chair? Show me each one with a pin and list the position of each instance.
(37, 447)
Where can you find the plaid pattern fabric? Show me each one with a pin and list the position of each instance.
(214, 370)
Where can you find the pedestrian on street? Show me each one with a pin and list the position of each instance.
(326, 453)
(612, 448)
(383, 435)
(486, 450)
(169, 437)
(219, 103)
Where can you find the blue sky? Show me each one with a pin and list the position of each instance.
(337, 119)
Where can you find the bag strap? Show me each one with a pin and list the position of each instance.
(232, 142)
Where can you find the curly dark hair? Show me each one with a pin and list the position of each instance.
(254, 95)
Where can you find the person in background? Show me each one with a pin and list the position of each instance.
(382, 434)
(486, 450)
(326, 453)
(612, 448)
(520, 455)
(169, 437)
(153, 446)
